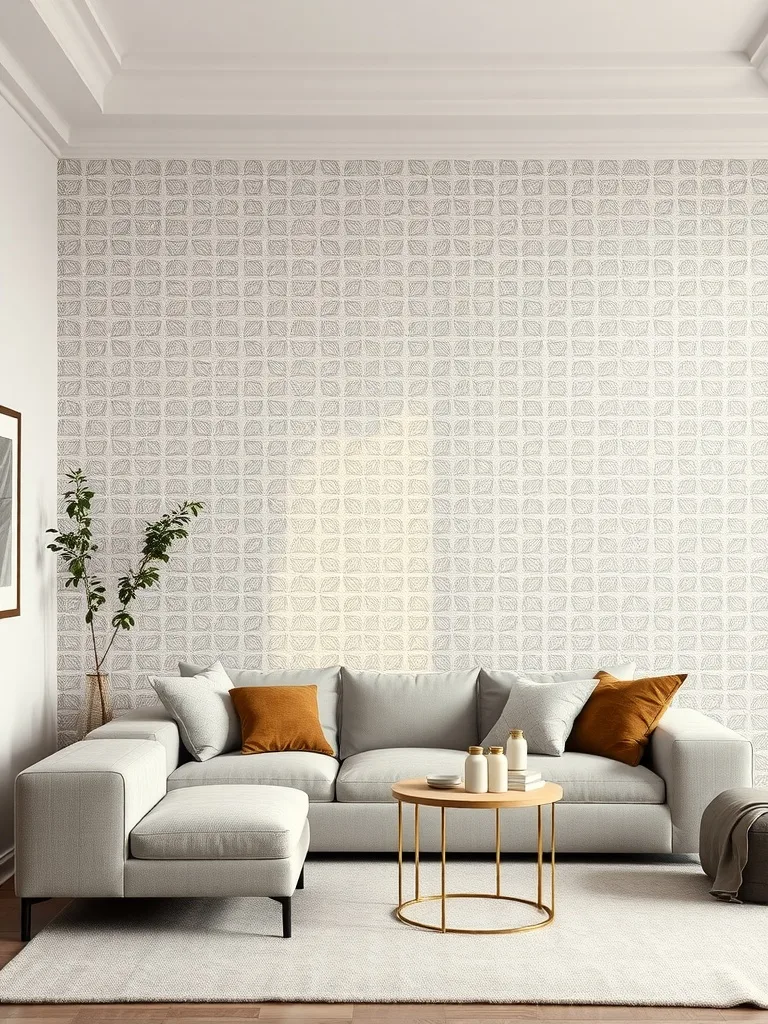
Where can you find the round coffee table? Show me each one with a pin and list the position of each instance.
(418, 793)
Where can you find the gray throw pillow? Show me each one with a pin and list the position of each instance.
(203, 710)
(492, 691)
(544, 711)
(325, 679)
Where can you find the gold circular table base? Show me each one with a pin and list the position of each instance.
(550, 914)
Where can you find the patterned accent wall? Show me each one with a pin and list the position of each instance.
(441, 413)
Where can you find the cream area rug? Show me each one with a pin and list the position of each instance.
(624, 933)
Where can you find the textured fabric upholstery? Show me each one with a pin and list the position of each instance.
(217, 877)
(754, 885)
(619, 718)
(313, 774)
(152, 723)
(544, 711)
(327, 680)
(697, 758)
(423, 709)
(275, 718)
(368, 777)
(222, 823)
(623, 671)
(203, 708)
(493, 687)
(581, 828)
(75, 810)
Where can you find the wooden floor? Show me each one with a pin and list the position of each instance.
(320, 1013)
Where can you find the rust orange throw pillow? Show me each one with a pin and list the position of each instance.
(619, 717)
(279, 718)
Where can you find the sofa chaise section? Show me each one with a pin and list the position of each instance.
(74, 812)
(96, 820)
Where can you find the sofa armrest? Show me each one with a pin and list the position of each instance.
(697, 758)
(74, 812)
(153, 723)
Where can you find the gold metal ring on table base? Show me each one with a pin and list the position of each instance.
(550, 914)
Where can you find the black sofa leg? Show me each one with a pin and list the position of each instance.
(27, 902)
(286, 904)
(26, 919)
(300, 883)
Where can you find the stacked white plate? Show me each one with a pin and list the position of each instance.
(444, 781)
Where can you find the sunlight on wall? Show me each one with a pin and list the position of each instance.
(355, 587)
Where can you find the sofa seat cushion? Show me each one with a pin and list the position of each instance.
(367, 778)
(313, 774)
(222, 823)
(585, 778)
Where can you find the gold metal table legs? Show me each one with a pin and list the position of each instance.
(498, 851)
(444, 896)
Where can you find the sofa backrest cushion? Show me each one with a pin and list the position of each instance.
(493, 687)
(393, 709)
(327, 681)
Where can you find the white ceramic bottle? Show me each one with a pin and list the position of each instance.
(517, 751)
(476, 771)
(497, 771)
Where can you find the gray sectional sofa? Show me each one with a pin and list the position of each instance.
(387, 727)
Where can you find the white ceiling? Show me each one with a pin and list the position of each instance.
(380, 77)
(160, 27)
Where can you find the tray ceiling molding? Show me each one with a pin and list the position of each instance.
(22, 93)
(82, 38)
(387, 104)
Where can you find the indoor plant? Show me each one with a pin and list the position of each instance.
(76, 548)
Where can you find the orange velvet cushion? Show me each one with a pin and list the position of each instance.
(619, 717)
(279, 718)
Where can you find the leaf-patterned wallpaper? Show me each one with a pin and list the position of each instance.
(441, 412)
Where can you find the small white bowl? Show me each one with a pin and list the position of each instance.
(444, 781)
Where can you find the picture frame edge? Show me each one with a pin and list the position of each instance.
(9, 613)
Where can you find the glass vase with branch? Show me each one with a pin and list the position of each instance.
(76, 549)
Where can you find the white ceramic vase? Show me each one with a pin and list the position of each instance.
(517, 751)
(497, 771)
(476, 771)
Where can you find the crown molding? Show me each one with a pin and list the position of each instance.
(758, 56)
(299, 63)
(729, 86)
(430, 138)
(82, 39)
(63, 70)
(341, 150)
(22, 94)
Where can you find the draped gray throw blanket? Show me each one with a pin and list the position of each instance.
(724, 838)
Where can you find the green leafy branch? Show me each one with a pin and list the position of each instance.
(76, 549)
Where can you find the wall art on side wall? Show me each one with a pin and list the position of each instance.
(10, 512)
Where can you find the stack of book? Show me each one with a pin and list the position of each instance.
(525, 780)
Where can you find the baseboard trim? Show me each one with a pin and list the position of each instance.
(6, 865)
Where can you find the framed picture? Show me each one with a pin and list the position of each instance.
(10, 512)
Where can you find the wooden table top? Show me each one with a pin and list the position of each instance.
(416, 791)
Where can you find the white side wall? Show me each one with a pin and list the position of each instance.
(28, 383)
